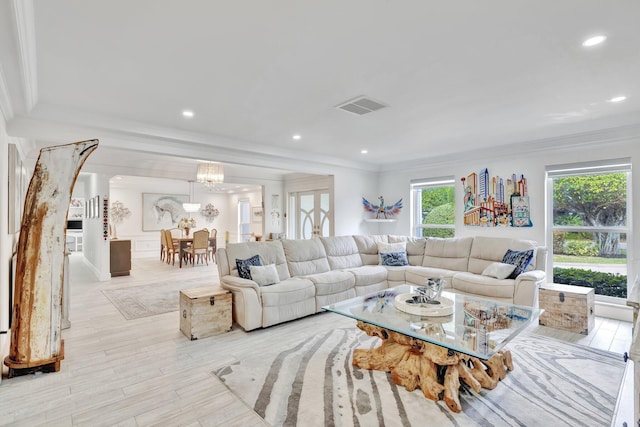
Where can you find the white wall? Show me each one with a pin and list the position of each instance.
(147, 243)
(95, 247)
(531, 162)
(6, 239)
(350, 187)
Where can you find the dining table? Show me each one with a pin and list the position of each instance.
(184, 242)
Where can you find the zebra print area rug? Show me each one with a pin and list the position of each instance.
(554, 383)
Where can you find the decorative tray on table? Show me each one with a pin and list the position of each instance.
(443, 308)
(426, 300)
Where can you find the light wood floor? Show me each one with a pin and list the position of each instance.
(145, 372)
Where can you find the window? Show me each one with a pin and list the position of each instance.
(433, 207)
(588, 209)
(244, 220)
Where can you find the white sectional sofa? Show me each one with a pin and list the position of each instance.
(321, 271)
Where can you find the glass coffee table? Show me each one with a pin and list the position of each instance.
(434, 353)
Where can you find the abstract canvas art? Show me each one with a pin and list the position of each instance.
(495, 201)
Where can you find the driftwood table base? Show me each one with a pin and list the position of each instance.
(437, 371)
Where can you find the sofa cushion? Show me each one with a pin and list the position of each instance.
(368, 274)
(448, 254)
(332, 282)
(487, 250)
(269, 252)
(368, 247)
(244, 266)
(305, 257)
(483, 286)
(288, 291)
(521, 259)
(415, 247)
(499, 270)
(264, 275)
(417, 275)
(396, 259)
(342, 252)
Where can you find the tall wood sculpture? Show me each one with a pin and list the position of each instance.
(36, 343)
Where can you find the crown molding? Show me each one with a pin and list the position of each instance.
(6, 106)
(25, 26)
(571, 142)
(139, 137)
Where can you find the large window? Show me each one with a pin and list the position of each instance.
(589, 211)
(433, 207)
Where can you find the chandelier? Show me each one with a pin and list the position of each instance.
(210, 174)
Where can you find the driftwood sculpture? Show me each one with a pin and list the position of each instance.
(36, 342)
(415, 364)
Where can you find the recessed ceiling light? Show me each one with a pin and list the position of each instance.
(592, 41)
(364, 151)
(187, 113)
(296, 137)
(618, 98)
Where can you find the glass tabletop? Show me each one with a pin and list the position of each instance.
(478, 327)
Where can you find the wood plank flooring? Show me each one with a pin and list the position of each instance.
(144, 372)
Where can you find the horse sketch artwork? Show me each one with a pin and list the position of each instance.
(162, 210)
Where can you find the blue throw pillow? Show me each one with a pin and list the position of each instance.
(394, 258)
(244, 266)
(521, 259)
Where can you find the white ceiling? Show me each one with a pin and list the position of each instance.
(455, 75)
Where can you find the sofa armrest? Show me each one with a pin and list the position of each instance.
(239, 282)
(526, 287)
(247, 301)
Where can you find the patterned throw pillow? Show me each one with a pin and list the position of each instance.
(394, 258)
(244, 266)
(391, 247)
(521, 259)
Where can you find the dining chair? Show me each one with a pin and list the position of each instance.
(176, 233)
(199, 248)
(173, 248)
(213, 245)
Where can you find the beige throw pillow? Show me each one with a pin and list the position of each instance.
(499, 270)
(265, 275)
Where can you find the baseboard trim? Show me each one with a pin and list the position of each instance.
(614, 311)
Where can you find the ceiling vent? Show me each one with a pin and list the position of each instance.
(361, 105)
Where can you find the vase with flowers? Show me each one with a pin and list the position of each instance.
(187, 224)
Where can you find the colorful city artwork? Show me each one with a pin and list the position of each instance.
(495, 201)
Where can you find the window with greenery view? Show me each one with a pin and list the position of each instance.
(589, 226)
(433, 204)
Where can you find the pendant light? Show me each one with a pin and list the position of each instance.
(191, 206)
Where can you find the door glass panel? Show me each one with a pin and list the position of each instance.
(306, 212)
(324, 214)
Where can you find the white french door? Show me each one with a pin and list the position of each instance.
(312, 216)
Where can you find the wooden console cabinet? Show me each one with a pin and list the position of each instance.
(120, 257)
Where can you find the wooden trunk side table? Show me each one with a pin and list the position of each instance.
(567, 307)
(205, 312)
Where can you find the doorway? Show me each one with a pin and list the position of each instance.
(311, 214)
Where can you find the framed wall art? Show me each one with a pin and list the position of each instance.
(256, 214)
(162, 211)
